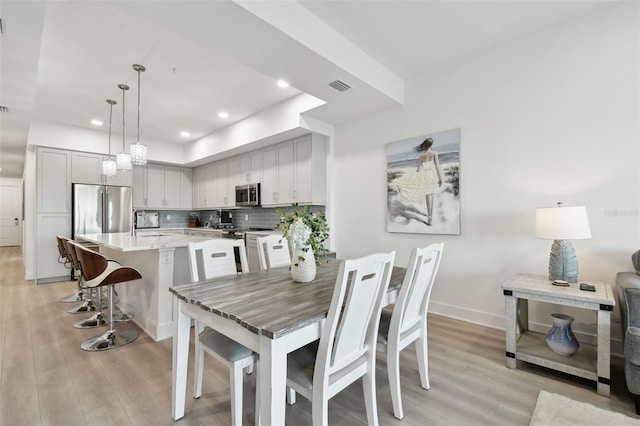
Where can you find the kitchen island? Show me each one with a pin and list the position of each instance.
(163, 261)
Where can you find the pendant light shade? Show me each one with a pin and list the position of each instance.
(108, 165)
(138, 150)
(123, 159)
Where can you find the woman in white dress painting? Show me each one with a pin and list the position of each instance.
(423, 183)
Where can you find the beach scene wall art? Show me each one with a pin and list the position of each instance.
(423, 184)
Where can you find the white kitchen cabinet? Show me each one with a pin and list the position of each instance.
(48, 226)
(139, 185)
(186, 184)
(250, 168)
(269, 183)
(295, 172)
(233, 171)
(310, 170)
(122, 178)
(203, 182)
(277, 184)
(86, 168)
(53, 181)
(221, 185)
(285, 172)
(158, 186)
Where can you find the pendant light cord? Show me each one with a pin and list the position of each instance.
(138, 137)
(111, 104)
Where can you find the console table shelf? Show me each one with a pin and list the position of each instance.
(533, 348)
(589, 362)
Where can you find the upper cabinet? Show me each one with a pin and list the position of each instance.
(295, 172)
(54, 180)
(159, 186)
(87, 168)
(250, 168)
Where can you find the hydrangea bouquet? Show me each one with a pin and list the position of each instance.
(305, 229)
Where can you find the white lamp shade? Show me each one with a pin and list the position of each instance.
(123, 159)
(562, 223)
(109, 168)
(138, 154)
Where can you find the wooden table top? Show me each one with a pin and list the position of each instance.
(269, 302)
(542, 286)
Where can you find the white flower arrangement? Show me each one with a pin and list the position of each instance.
(299, 232)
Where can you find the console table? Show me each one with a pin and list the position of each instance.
(590, 362)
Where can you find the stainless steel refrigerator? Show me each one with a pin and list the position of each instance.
(101, 209)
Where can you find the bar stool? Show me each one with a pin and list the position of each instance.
(107, 273)
(65, 258)
(98, 319)
(89, 304)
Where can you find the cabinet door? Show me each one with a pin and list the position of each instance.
(233, 180)
(285, 171)
(122, 178)
(139, 177)
(155, 186)
(49, 225)
(268, 189)
(186, 188)
(86, 168)
(54, 181)
(221, 190)
(172, 184)
(210, 175)
(255, 167)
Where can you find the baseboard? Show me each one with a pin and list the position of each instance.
(497, 322)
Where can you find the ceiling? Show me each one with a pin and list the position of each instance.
(61, 60)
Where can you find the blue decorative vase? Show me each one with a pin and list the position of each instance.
(560, 338)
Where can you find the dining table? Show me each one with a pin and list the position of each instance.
(267, 312)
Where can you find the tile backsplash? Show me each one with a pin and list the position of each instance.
(242, 218)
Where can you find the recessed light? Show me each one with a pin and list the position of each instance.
(223, 114)
(283, 84)
(97, 122)
(185, 134)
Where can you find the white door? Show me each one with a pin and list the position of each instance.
(9, 215)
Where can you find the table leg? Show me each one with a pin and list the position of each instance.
(182, 326)
(511, 325)
(272, 381)
(604, 359)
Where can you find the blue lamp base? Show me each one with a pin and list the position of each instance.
(563, 263)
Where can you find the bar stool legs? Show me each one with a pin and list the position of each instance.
(112, 338)
(96, 320)
(87, 306)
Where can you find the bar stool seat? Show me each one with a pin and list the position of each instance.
(112, 273)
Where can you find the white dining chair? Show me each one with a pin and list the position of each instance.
(273, 252)
(408, 321)
(213, 259)
(347, 347)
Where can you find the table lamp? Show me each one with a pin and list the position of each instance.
(561, 224)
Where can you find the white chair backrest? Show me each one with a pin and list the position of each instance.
(413, 298)
(216, 258)
(354, 314)
(273, 252)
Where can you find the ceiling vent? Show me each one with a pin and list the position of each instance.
(4, 108)
(340, 86)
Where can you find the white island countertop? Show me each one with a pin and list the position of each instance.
(124, 241)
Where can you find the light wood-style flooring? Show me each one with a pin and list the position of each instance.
(46, 379)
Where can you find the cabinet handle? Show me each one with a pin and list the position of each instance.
(145, 201)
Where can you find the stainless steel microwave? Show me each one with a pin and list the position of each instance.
(248, 195)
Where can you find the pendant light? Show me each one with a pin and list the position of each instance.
(138, 150)
(108, 165)
(123, 158)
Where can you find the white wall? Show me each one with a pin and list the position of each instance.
(54, 135)
(550, 117)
